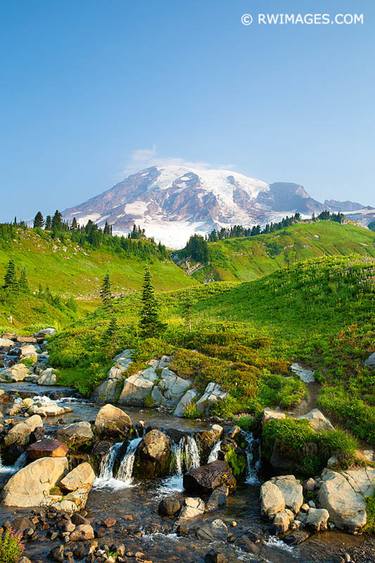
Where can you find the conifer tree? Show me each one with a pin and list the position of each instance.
(149, 323)
(57, 222)
(10, 279)
(106, 292)
(38, 221)
(23, 282)
(74, 225)
(48, 223)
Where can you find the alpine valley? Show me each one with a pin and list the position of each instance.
(208, 399)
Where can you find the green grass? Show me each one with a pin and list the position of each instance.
(247, 259)
(70, 270)
(307, 449)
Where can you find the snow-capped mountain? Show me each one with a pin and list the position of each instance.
(173, 202)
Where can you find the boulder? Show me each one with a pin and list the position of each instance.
(124, 359)
(272, 499)
(47, 447)
(211, 395)
(305, 374)
(76, 434)
(346, 507)
(83, 532)
(217, 499)
(170, 506)
(206, 478)
(186, 400)
(154, 454)
(113, 422)
(82, 476)
(20, 433)
(31, 485)
(192, 507)
(215, 530)
(292, 491)
(44, 406)
(28, 351)
(317, 519)
(370, 361)
(317, 420)
(138, 387)
(49, 331)
(109, 390)
(47, 377)
(208, 438)
(26, 339)
(283, 520)
(362, 480)
(169, 389)
(17, 372)
(6, 343)
(272, 414)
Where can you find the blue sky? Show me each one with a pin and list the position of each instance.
(93, 88)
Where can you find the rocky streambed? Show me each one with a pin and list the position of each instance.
(87, 481)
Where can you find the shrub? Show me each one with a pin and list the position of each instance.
(191, 411)
(11, 547)
(370, 509)
(236, 461)
(338, 443)
(307, 449)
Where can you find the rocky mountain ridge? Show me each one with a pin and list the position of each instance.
(173, 202)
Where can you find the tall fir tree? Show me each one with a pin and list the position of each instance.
(74, 225)
(23, 282)
(57, 222)
(149, 322)
(48, 225)
(10, 278)
(106, 292)
(38, 221)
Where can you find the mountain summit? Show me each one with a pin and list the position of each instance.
(173, 202)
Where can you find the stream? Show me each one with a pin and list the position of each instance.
(134, 503)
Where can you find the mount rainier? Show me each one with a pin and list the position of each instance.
(173, 202)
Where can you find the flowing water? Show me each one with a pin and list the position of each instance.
(192, 457)
(214, 454)
(252, 465)
(125, 472)
(116, 495)
(10, 469)
(106, 478)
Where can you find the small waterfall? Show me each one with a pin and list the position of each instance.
(125, 472)
(178, 457)
(251, 472)
(106, 479)
(192, 457)
(108, 461)
(11, 469)
(214, 454)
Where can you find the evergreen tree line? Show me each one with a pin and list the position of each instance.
(197, 246)
(90, 235)
(240, 231)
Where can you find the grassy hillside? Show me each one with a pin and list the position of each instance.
(72, 270)
(245, 336)
(247, 259)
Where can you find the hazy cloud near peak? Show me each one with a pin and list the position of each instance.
(147, 157)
